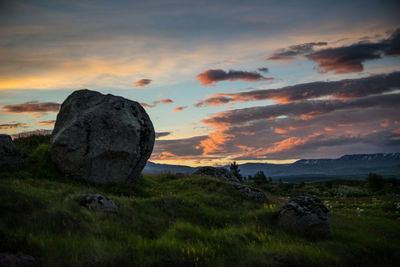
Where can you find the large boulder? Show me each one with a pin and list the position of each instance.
(101, 138)
(218, 172)
(306, 215)
(9, 155)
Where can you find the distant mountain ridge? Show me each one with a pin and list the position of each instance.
(354, 166)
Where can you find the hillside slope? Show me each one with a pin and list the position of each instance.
(169, 220)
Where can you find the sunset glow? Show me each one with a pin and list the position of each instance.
(248, 81)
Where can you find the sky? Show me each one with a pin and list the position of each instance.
(222, 81)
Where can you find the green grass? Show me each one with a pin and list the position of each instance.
(167, 220)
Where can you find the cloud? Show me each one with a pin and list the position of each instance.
(211, 77)
(47, 123)
(162, 134)
(32, 107)
(343, 89)
(12, 125)
(266, 70)
(142, 83)
(308, 108)
(184, 147)
(303, 129)
(347, 59)
(176, 109)
(164, 101)
(294, 51)
(155, 103)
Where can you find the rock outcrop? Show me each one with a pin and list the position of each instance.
(225, 175)
(306, 215)
(18, 259)
(9, 155)
(251, 192)
(101, 138)
(219, 172)
(97, 202)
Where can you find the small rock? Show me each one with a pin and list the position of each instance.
(9, 155)
(306, 215)
(225, 175)
(18, 259)
(250, 192)
(97, 202)
(218, 172)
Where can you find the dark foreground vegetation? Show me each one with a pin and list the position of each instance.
(171, 220)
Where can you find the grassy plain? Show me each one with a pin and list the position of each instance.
(170, 220)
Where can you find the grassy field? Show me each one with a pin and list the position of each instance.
(168, 220)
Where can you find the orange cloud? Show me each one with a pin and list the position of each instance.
(214, 142)
(47, 123)
(155, 103)
(142, 83)
(166, 155)
(13, 125)
(396, 131)
(385, 123)
(176, 109)
(283, 131)
(165, 101)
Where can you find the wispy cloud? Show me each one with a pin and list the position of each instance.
(212, 76)
(155, 103)
(176, 109)
(263, 69)
(32, 107)
(47, 123)
(284, 54)
(142, 83)
(13, 125)
(299, 128)
(343, 89)
(162, 134)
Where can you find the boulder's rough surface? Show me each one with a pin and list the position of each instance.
(250, 192)
(218, 172)
(97, 202)
(9, 155)
(101, 138)
(227, 176)
(307, 215)
(18, 259)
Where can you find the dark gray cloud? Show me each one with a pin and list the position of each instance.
(348, 59)
(343, 89)
(32, 107)
(210, 77)
(300, 109)
(179, 147)
(294, 51)
(161, 134)
(264, 69)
